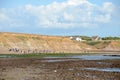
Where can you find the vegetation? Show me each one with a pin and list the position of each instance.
(92, 43)
(111, 38)
(39, 55)
(21, 37)
(86, 38)
(36, 38)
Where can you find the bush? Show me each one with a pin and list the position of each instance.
(111, 38)
(92, 43)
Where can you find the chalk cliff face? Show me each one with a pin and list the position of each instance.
(49, 43)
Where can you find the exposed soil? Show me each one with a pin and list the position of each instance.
(40, 69)
(31, 43)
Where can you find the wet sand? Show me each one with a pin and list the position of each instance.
(56, 69)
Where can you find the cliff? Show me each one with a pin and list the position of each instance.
(30, 43)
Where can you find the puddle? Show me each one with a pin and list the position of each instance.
(104, 63)
(52, 60)
(59, 57)
(104, 69)
(58, 60)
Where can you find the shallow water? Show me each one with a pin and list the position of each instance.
(89, 57)
(82, 57)
(104, 69)
(57, 60)
(95, 57)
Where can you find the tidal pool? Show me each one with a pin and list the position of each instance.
(56, 60)
(95, 57)
(104, 69)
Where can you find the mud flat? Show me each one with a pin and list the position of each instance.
(60, 68)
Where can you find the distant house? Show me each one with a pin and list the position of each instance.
(71, 37)
(76, 38)
(96, 38)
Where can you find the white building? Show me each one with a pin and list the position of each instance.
(76, 38)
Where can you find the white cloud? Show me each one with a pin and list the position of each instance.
(103, 18)
(108, 7)
(70, 13)
(3, 16)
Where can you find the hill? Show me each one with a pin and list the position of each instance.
(32, 43)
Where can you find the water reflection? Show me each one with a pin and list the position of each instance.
(56, 60)
(90, 57)
(95, 57)
(104, 69)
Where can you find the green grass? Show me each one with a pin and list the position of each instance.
(36, 38)
(92, 43)
(40, 55)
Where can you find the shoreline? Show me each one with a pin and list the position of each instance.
(87, 52)
(45, 55)
(39, 69)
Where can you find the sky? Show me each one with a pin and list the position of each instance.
(61, 17)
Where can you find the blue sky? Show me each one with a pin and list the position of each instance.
(61, 17)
